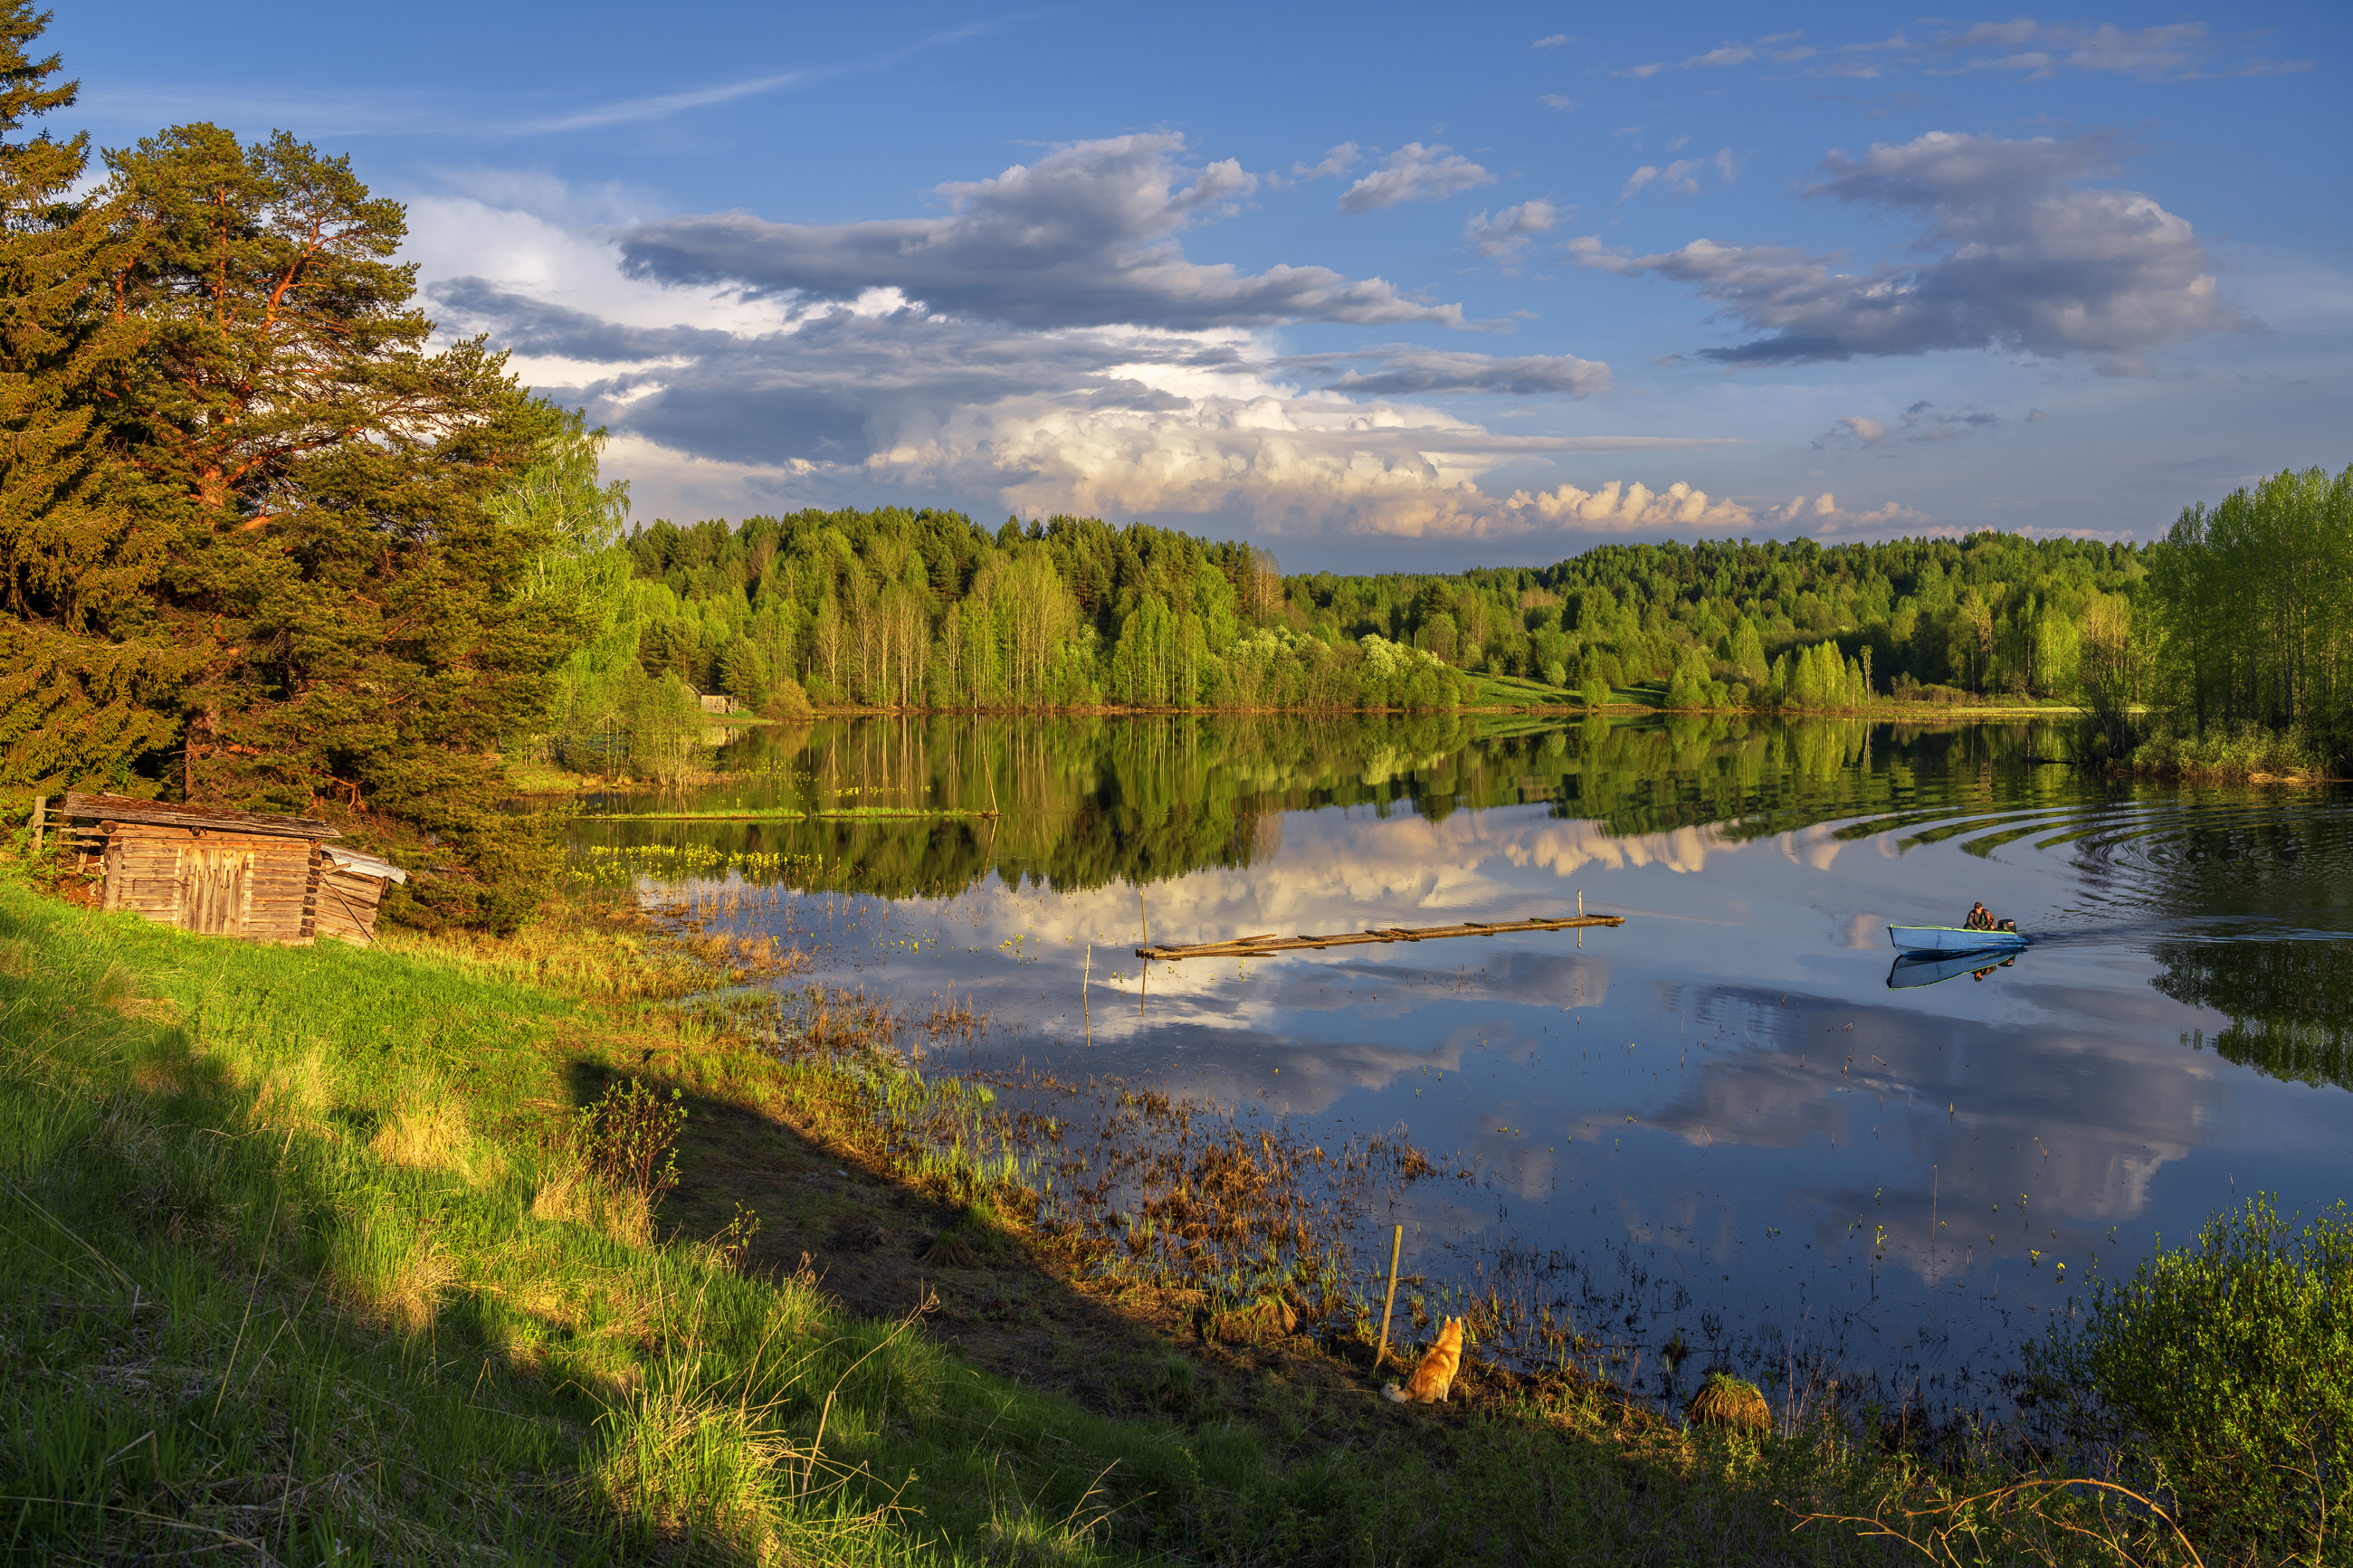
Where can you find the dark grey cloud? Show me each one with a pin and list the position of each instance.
(1083, 237)
(1406, 372)
(2022, 259)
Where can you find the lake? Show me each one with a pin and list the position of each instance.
(1730, 1123)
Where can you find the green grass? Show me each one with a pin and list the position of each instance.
(1518, 691)
(288, 1266)
(298, 1264)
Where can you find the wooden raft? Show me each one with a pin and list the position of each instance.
(1268, 942)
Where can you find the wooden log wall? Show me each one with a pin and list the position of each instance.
(252, 885)
(347, 904)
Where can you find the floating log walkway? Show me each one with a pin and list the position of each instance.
(1268, 942)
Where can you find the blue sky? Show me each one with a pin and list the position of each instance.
(1376, 286)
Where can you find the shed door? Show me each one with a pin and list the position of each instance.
(215, 882)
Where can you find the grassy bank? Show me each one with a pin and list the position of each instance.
(311, 1255)
(2246, 751)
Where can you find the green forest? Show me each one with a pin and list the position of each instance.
(265, 542)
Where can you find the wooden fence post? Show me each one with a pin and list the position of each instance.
(40, 819)
(1389, 1305)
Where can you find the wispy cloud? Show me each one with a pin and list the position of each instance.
(1508, 236)
(1680, 176)
(663, 105)
(1924, 423)
(2178, 51)
(1336, 163)
(442, 114)
(1414, 174)
(1402, 370)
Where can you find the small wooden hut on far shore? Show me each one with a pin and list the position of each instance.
(228, 873)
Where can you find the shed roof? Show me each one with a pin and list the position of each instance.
(212, 818)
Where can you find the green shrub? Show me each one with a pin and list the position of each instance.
(2218, 1371)
(629, 1137)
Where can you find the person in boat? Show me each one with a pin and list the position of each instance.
(1981, 918)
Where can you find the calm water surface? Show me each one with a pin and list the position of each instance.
(1731, 1118)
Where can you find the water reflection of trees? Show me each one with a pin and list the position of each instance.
(1083, 802)
(2251, 858)
(2290, 1004)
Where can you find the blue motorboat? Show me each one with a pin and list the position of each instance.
(1952, 939)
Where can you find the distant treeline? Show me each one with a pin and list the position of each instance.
(924, 609)
(2240, 617)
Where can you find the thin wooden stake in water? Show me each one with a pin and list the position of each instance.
(1086, 1006)
(1389, 1305)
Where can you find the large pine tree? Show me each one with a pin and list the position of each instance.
(350, 600)
(86, 680)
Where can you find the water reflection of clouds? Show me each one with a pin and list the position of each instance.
(1565, 848)
(1339, 870)
(1744, 982)
(1992, 1114)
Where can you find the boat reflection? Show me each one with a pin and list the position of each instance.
(1930, 969)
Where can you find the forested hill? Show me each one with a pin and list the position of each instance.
(267, 542)
(925, 609)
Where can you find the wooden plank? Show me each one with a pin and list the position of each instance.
(1254, 946)
(126, 810)
(123, 809)
(346, 910)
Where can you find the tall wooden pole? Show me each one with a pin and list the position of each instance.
(1389, 1305)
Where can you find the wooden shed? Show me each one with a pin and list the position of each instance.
(228, 873)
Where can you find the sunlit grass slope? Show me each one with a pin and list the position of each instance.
(289, 1270)
(298, 1264)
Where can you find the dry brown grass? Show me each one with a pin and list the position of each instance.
(434, 1135)
(568, 1194)
(605, 953)
(1728, 1402)
(296, 1094)
(159, 1076)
